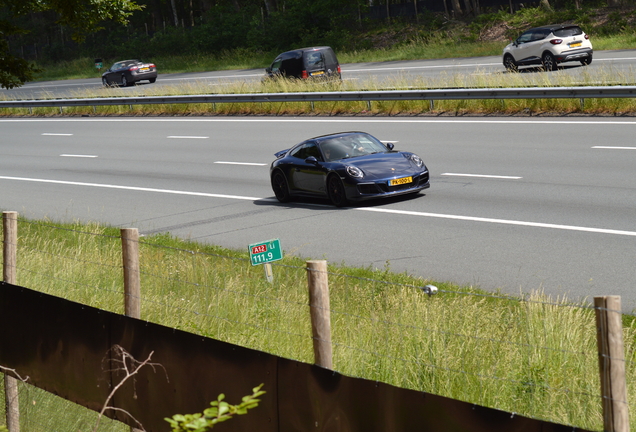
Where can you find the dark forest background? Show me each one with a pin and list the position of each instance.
(182, 27)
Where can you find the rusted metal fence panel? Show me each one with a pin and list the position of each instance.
(64, 347)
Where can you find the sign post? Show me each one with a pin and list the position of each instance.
(265, 253)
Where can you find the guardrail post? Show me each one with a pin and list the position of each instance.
(320, 313)
(611, 359)
(132, 282)
(9, 274)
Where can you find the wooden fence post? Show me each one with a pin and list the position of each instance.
(320, 313)
(132, 283)
(611, 360)
(9, 275)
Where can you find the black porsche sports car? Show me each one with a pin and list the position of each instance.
(346, 166)
(128, 72)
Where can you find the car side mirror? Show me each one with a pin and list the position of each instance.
(312, 160)
(390, 146)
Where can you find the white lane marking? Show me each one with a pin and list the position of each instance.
(502, 221)
(369, 209)
(132, 188)
(614, 148)
(482, 175)
(213, 77)
(240, 163)
(188, 137)
(78, 156)
(57, 134)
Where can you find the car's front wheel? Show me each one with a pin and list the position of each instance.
(549, 62)
(510, 64)
(280, 187)
(124, 81)
(105, 82)
(587, 60)
(152, 80)
(336, 191)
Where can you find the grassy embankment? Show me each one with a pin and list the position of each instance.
(534, 356)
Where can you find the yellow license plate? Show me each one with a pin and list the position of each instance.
(400, 181)
(144, 69)
(575, 45)
(318, 73)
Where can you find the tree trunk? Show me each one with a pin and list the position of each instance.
(457, 8)
(468, 9)
(174, 13)
(545, 4)
(271, 6)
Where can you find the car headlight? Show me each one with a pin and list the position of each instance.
(354, 172)
(416, 160)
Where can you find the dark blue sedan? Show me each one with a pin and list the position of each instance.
(346, 166)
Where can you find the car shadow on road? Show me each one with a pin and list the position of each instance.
(540, 69)
(323, 203)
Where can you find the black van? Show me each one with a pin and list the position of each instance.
(303, 63)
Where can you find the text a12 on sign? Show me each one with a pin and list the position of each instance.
(265, 252)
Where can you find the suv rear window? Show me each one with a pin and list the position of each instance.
(568, 31)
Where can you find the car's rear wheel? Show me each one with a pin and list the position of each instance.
(336, 191)
(152, 80)
(587, 60)
(280, 187)
(549, 62)
(510, 64)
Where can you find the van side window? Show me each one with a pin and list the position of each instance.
(314, 58)
(276, 65)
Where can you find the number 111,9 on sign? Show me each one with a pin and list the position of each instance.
(265, 252)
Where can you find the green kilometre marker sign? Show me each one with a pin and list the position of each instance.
(265, 252)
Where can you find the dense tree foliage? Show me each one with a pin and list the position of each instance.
(80, 17)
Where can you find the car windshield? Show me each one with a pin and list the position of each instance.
(348, 146)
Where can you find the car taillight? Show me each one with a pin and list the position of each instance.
(151, 65)
(339, 71)
(556, 41)
(133, 68)
(587, 37)
(305, 74)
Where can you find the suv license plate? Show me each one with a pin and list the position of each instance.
(318, 73)
(575, 44)
(400, 181)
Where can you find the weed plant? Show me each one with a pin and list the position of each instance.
(533, 355)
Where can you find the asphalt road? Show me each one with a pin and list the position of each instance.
(516, 204)
(607, 64)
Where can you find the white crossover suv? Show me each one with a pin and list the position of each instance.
(547, 46)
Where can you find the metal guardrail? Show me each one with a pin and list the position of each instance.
(345, 96)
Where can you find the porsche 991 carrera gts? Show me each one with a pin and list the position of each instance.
(344, 167)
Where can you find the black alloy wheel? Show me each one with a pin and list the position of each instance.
(124, 81)
(336, 191)
(510, 64)
(549, 62)
(587, 60)
(152, 80)
(105, 82)
(280, 187)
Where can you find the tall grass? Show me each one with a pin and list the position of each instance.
(533, 354)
